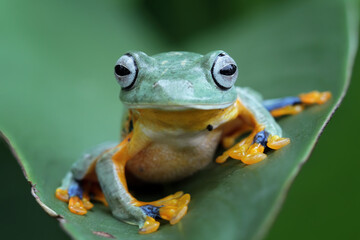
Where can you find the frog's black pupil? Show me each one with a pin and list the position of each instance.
(228, 70)
(120, 70)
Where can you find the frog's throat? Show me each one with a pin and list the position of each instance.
(188, 119)
(174, 107)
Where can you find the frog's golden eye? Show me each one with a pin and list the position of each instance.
(224, 71)
(126, 71)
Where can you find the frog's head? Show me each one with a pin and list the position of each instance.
(177, 80)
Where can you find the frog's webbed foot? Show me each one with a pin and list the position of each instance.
(78, 201)
(251, 149)
(78, 197)
(314, 97)
(298, 103)
(171, 208)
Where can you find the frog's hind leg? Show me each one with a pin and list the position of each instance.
(80, 183)
(110, 170)
(293, 105)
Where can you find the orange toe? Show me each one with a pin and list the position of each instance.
(275, 142)
(62, 195)
(87, 204)
(253, 158)
(150, 226)
(324, 97)
(179, 215)
(76, 206)
(315, 97)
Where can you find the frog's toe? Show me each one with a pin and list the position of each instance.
(287, 110)
(236, 152)
(276, 142)
(315, 97)
(150, 226)
(254, 154)
(87, 204)
(227, 142)
(62, 194)
(174, 211)
(76, 206)
(253, 158)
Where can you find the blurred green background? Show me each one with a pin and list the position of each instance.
(323, 202)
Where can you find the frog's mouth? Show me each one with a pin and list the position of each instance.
(189, 119)
(178, 107)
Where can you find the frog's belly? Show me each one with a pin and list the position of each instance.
(172, 158)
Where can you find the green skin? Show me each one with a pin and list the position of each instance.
(176, 79)
(170, 81)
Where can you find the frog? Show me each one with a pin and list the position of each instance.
(180, 107)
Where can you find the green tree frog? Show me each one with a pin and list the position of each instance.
(181, 105)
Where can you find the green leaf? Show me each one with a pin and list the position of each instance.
(58, 97)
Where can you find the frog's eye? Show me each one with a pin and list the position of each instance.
(126, 71)
(224, 71)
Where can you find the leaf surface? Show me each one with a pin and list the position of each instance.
(60, 99)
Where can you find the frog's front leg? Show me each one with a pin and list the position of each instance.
(110, 170)
(266, 132)
(251, 149)
(293, 105)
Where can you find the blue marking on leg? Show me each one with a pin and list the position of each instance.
(261, 137)
(75, 190)
(272, 104)
(151, 211)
